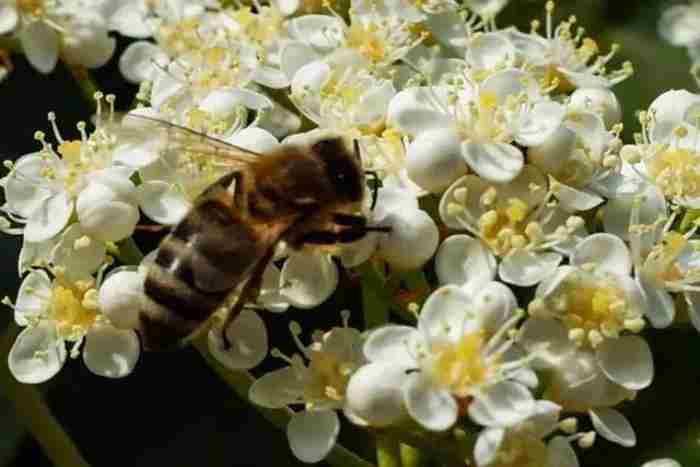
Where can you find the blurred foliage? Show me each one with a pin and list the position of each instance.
(173, 410)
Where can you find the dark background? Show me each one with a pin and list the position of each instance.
(174, 411)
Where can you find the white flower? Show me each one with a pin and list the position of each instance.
(662, 463)
(524, 444)
(565, 59)
(56, 312)
(475, 125)
(581, 157)
(668, 153)
(680, 25)
(458, 351)
(43, 188)
(320, 385)
(514, 221)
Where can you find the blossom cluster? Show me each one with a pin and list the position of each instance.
(545, 245)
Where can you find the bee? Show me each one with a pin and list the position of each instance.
(308, 194)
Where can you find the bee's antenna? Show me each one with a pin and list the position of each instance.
(376, 184)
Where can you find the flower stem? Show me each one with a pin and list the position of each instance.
(128, 252)
(375, 298)
(411, 457)
(240, 382)
(388, 452)
(36, 416)
(87, 86)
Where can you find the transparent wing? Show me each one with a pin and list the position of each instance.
(140, 129)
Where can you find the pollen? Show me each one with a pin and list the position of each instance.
(68, 311)
(70, 150)
(461, 367)
(676, 172)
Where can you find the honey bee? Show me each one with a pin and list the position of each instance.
(302, 194)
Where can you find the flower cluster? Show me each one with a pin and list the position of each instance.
(522, 246)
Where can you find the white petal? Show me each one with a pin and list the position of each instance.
(92, 47)
(355, 253)
(24, 198)
(658, 303)
(465, 261)
(487, 445)
(434, 159)
(602, 101)
(627, 361)
(613, 426)
(490, 50)
(494, 304)
(111, 352)
(393, 344)
(547, 339)
(435, 409)
(573, 200)
(544, 419)
(525, 268)
(40, 46)
(616, 212)
(248, 338)
(552, 154)
(81, 261)
(495, 162)
(540, 123)
(120, 298)
(669, 110)
(560, 453)
(277, 389)
(448, 28)
(224, 101)
(608, 252)
(312, 434)
(254, 139)
(502, 405)
(270, 77)
(679, 25)
(693, 301)
(49, 219)
(8, 18)
(308, 279)
(131, 21)
(24, 363)
(33, 298)
(412, 241)
(163, 202)
(107, 210)
(419, 109)
(661, 463)
(443, 314)
(374, 393)
(138, 62)
(294, 55)
(287, 7)
(322, 31)
(270, 296)
(279, 121)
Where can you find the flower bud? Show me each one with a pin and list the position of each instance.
(599, 100)
(107, 209)
(120, 298)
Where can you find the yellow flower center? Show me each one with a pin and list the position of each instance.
(330, 377)
(73, 309)
(462, 366)
(676, 172)
(503, 228)
(181, 37)
(366, 41)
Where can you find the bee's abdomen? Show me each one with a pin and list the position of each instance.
(197, 266)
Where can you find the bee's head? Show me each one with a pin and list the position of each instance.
(342, 166)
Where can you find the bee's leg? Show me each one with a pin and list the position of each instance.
(248, 294)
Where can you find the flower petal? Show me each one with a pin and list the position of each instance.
(37, 354)
(662, 463)
(33, 298)
(393, 344)
(49, 219)
(487, 445)
(502, 405)
(120, 298)
(308, 279)
(540, 123)
(526, 268)
(560, 453)
(465, 261)
(417, 110)
(111, 352)
(254, 139)
(8, 18)
(606, 251)
(374, 393)
(277, 388)
(573, 200)
(163, 202)
(312, 434)
(79, 254)
(139, 60)
(434, 159)
(40, 45)
(495, 162)
(658, 303)
(412, 241)
(435, 409)
(613, 426)
(443, 314)
(248, 338)
(627, 361)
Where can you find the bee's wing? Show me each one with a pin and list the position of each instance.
(140, 128)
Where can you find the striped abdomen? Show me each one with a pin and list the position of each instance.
(206, 256)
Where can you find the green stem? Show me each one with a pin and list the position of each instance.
(375, 297)
(240, 382)
(88, 87)
(128, 252)
(36, 416)
(388, 452)
(411, 457)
